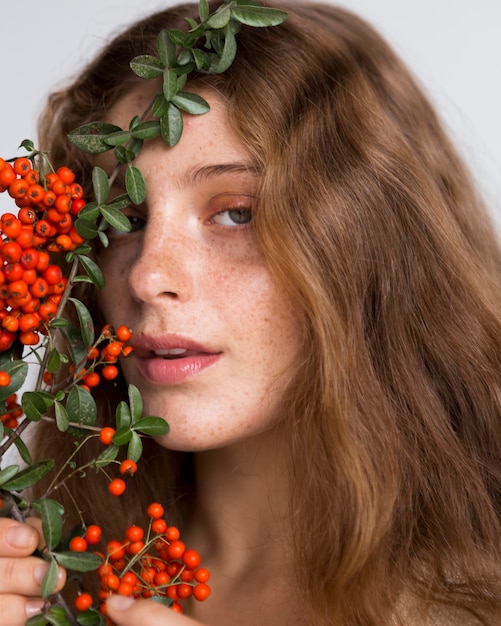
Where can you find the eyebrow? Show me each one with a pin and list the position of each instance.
(205, 172)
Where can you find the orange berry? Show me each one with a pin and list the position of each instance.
(106, 435)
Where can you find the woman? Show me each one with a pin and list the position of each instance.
(315, 255)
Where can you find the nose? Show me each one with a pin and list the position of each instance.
(163, 268)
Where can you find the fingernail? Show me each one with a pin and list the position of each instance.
(42, 569)
(34, 607)
(119, 603)
(19, 536)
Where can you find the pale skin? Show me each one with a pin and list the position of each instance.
(191, 270)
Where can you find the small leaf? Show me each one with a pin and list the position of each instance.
(136, 403)
(88, 230)
(178, 37)
(7, 473)
(93, 271)
(76, 347)
(62, 417)
(166, 48)
(203, 10)
(78, 561)
(54, 359)
(51, 513)
(147, 66)
(160, 106)
(153, 426)
(201, 59)
(135, 185)
(116, 218)
(35, 404)
(119, 138)
(135, 448)
(170, 86)
(81, 406)
(119, 202)
(123, 415)
(227, 55)
(86, 323)
(50, 579)
(191, 103)
(23, 450)
(29, 476)
(90, 137)
(59, 322)
(90, 618)
(108, 455)
(100, 184)
(89, 212)
(255, 15)
(147, 130)
(37, 620)
(171, 125)
(220, 18)
(122, 436)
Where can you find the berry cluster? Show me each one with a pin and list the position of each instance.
(103, 353)
(145, 564)
(31, 286)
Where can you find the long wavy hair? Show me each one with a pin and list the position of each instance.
(370, 222)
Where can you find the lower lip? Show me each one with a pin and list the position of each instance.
(175, 371)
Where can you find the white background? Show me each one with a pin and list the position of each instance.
(453, 46)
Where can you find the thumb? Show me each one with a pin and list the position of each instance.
(125, 611)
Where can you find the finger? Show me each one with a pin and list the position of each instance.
(16, 538)
(15, 610)
(24, 576)
(125, 611)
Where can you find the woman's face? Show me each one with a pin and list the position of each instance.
(215, 337)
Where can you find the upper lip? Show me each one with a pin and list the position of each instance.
(147, 346)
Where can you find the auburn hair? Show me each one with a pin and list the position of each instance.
(370, 222)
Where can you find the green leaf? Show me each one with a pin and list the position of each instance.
(78, 561)
(153, 426)
(17, 370)
(88, 230)
(59, 322)
(201, 59)
(136, 403)
(147, 66)
(100, 184)
(147, 130)
(227, 55)
(123, 415)
(7, 473)
(171, 125)
(37, 620)
(23, 450)
(135, 185)
(89, 212)
(57, 616)
(50, 579)
(108, 455)
(76, 347)
(103, 238)
(170, 86)
(86, 322)
(35, 404)
(191, 102)
(51, 513)
(29, 476)
(135, 449)
(90, 618)
(116, 218)
(81, 406)
(54, 358)
(62, 417)
(93, 271)
(254, 15)
(91, 137)
(119, 138)
(122, 436)
(203, 10)
(119, 202)
(220, 18)
(178, 37)
(160, 106)
(166, 48)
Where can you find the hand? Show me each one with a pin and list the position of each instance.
(125, 611)
(21, 573)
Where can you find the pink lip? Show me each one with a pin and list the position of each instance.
(171, 369)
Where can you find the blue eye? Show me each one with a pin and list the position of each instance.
(233, 217)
